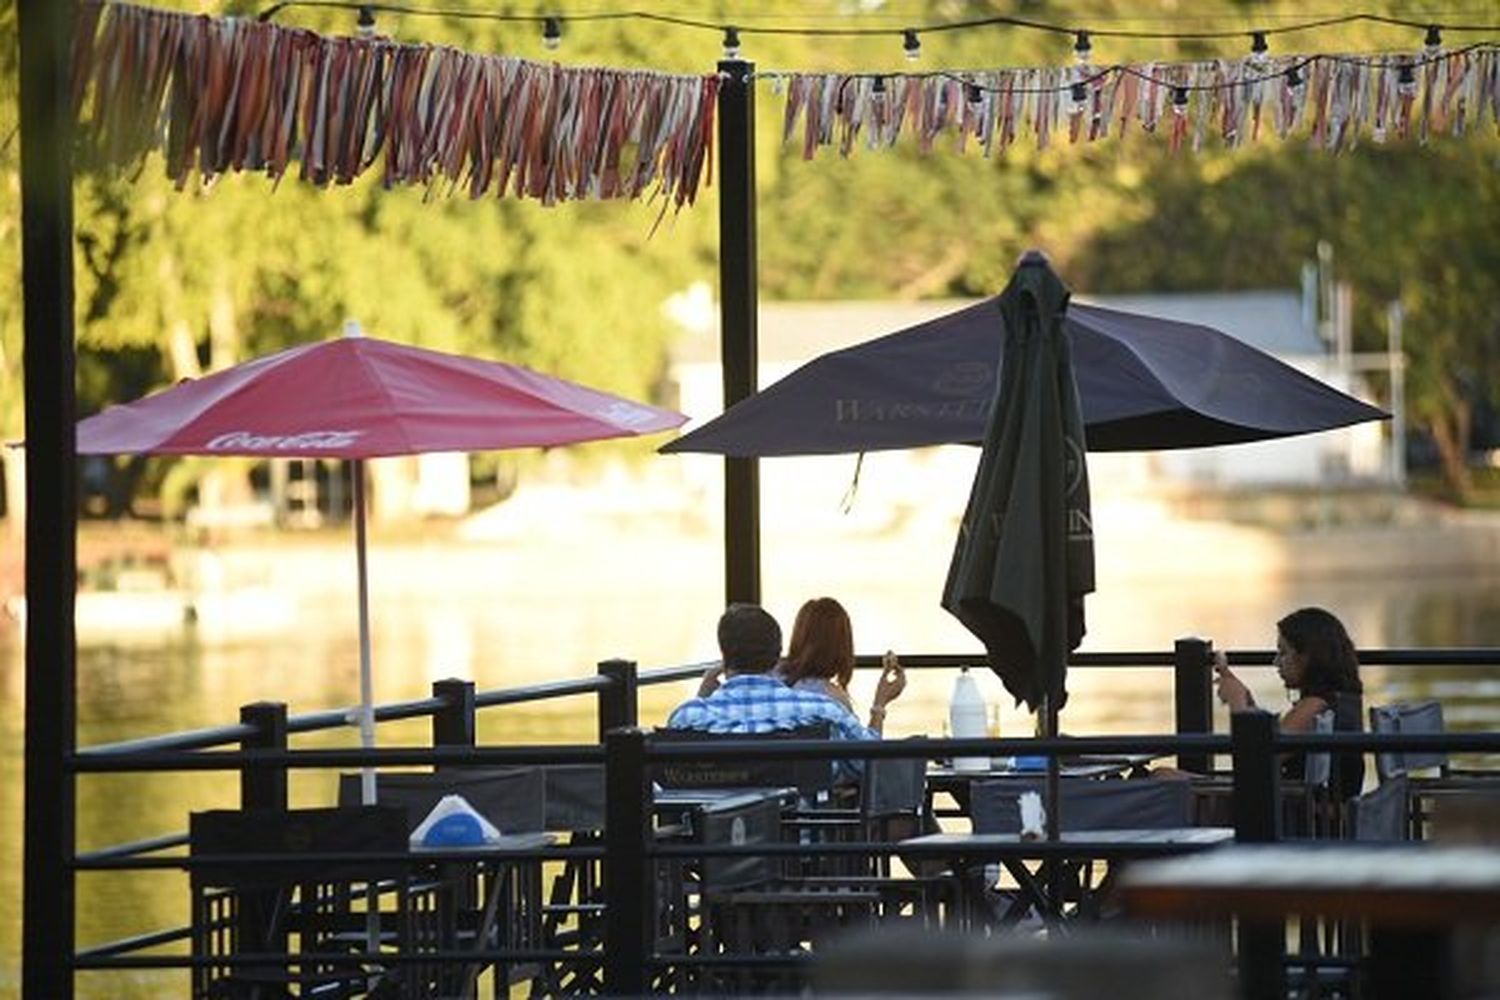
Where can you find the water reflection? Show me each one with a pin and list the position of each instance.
(524, 632)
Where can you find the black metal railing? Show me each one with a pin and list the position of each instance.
(257, 748)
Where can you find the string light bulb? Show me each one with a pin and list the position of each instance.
(364, 24)
(1260, 50)
(911, 45)
(1078, 97)
(973, 95)
(1406, 80)
(1432, 45)
(551, 33)
(731, 43)
(1179, 100)
(1083, 49)
(1293, 79)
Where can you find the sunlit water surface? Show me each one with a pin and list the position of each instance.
(501, 620)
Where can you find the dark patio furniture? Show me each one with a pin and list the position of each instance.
(1409, 897)
(309, 907)
(1430, 776)
(1029, 860)
(511, 798)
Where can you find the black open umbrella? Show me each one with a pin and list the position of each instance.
(1144, 383)
(1025, 552)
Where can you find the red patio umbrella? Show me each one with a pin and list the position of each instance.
(359, 397)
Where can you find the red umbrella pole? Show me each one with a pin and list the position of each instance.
(366, 684)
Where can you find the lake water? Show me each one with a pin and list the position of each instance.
(502, 617)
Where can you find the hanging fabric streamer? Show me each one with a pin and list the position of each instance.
(1337, 98)
(216, 95)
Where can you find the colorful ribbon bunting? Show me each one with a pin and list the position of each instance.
(216, 95)
(1336, 99)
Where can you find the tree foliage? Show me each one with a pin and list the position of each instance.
(170, 283)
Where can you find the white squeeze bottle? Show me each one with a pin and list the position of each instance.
(967, 716)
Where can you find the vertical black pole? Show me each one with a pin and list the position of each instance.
(1053, 790)
(46, 34)
(1257, 819)
(629, 913)
(1257, 778)
(1191, 659)
(617, 701)
(737, 323)
(453, 725)
(263, 786)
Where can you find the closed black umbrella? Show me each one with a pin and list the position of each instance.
(1025, 552)
(1144, 383)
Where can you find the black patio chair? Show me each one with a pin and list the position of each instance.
(312, 913)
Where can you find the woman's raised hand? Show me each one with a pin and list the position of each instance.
(892, 680)
(1232, 690)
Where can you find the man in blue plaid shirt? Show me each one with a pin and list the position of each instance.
(750, 699)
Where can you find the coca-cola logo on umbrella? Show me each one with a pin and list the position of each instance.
(328, 439)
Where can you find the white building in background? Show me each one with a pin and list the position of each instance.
(894, 488)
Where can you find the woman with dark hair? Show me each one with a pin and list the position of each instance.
(820, 657)
(1315, 658)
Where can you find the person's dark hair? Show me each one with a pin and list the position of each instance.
(822, 643)
(1331, 665)
(749, 639)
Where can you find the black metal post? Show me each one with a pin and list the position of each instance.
(46, 128)
(263, 786)
(1053, 789)
(737, 319)
(1410, 962)
(1257, 819)
(629, 914)
(1193, 684)
(618, 700)
(454, 724)
(1257, 777)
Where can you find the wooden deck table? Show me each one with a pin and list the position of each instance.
(1410, 895)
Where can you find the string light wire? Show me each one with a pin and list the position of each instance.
(857, 31)
(1292, 71)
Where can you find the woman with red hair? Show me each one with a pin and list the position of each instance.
(820, 657)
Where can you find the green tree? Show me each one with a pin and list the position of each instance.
(1406, 223)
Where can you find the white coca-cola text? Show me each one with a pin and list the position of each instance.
(235, 440)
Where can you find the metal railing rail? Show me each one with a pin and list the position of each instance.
(263, 757)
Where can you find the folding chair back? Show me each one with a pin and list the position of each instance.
(344, 831)
(1381, 814)
(994, 806)
(574, 799)
(752, 818)
(1410, 717)
(807, 776)
(511, 798)
(241, 908)
(893, 786)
